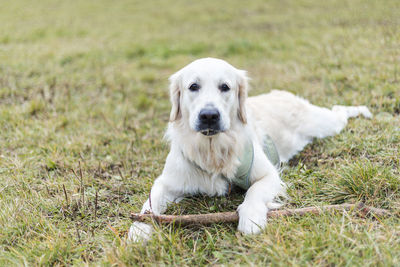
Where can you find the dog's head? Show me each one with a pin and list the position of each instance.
(209, 94)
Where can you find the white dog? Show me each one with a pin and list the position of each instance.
(220, 137)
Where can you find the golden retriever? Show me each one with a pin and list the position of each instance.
(219, 137)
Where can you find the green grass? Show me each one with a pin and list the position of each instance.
(84, 104)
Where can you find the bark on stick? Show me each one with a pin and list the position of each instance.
(228, 217)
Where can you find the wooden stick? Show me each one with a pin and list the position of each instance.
(228, 217)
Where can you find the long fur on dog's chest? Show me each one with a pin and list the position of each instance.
(215, 155)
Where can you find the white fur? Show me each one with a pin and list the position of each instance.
(290, 121)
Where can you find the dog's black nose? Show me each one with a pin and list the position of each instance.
(209, 115)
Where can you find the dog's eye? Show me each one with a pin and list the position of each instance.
(224, 87)
(194, 87)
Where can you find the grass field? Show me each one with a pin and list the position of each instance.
(84, 104)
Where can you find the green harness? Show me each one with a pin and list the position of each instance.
(242, 176)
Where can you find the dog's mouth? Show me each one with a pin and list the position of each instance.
(209, 132)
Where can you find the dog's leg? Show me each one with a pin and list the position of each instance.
(318, 122)
(352, 111)
(253, 211)
(176, 180)
(161, 195)
(322, 122)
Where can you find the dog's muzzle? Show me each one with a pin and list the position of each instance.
(209, 121)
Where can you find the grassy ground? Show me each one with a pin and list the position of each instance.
(83, 107)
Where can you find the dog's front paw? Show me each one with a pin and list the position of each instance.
(140, 232)
(252, 218)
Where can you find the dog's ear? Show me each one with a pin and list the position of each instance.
(243, 82)
(175, 95)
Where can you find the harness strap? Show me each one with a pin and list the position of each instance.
(271, 151)
(242, 175)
